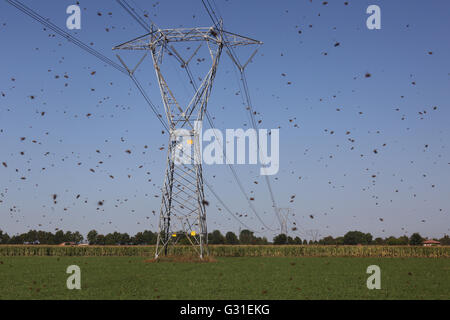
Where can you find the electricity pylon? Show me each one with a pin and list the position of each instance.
(183, 202)
(283, 214)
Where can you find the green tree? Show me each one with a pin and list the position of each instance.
(124, 239)
(260, 241)
(368, 238)
(149, 237)
(392, 241)
(445, 240)
(4, 238)
(31, 236)
(101, 240)
(110, 240)
(246, 237)
(329, 240)
(403, 241)
(339, 240)
(77, 237)
(17, 239)
(231, 238)
(68, 237)
(92, 237)
(45, 237)
(415, 239)
(357, 237)
(216, 237)
(59, 237)
(280, 239)
(137, 239)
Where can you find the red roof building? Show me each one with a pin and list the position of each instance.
(429, 243)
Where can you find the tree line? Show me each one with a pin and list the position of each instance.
(245, 237)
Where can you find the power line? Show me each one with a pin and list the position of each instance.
(144, 94)
(64, 34)
(33, 14)
(113, 64)
(193, 83)
(132, 12)
(234, 57)
(210, 121)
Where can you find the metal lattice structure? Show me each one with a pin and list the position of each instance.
(183, 202)
(283, 214)
(186, 180)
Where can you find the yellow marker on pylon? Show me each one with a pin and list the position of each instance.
(174, 235)
(193, 233)
(190, 141)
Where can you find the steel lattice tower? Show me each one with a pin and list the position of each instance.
(283, 214)
(183, 202)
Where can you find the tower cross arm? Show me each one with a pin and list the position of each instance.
(164, 36)
(235, 40)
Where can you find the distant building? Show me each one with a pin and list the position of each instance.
(429, 243)
(33, 242)
(67, 244)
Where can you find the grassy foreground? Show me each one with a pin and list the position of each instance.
(227, 278)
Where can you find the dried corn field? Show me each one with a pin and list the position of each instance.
(234, 251)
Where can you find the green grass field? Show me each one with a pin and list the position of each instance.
(228, 278)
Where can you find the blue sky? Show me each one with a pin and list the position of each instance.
(342, 184)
